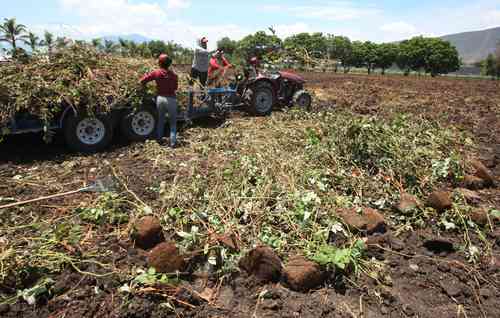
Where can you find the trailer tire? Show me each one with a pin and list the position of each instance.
(303, 100)
(88, 134)
(139, 125)
(261, 99)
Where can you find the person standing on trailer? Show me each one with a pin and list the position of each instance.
(199, 69)
(166, 85)
(217, 68)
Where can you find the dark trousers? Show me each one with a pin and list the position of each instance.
(201, 76)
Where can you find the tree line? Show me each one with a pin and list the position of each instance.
(419, 54)
(16, 34)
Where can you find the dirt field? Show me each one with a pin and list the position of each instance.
(232, 178)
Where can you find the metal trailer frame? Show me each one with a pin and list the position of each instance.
(216, 101)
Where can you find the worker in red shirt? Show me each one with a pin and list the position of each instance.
(218, 66)
(166, 101)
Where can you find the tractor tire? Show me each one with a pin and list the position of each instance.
(88, 134)
(303, 100)
(139, 125)
(261, 99)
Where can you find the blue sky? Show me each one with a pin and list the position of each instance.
(185, 20)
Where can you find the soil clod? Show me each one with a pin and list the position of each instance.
(440, 201)
(363, 220)
(302, 274)
(263, 263)
(165, 258)
(483, 172)
(147, 232)
(407, 203)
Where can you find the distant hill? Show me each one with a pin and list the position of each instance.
(137, 38)
(475, 46)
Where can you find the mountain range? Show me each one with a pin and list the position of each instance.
(475, 46)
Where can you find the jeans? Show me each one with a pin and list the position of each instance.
(201, 76)
(164, 105)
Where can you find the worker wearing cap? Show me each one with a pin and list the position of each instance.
(199, 69)
(218, 66)
(254, 67)
(166, 86)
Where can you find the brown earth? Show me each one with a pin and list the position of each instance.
(416, 281)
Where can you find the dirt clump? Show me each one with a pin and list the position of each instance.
(440, 201)
(407, 203)
(165, 258)
(147, 232)
(263, 263)
(483, 172)
(363, 220)
(302, 275)
(471, 182)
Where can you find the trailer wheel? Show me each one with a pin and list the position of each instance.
(140, 125)
(302, 99)
(88, 134)
(261, 99)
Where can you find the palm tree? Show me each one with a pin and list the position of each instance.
(124, 46)
(48, 41)
(12, 32)
(96, 43)
(109, 46)
(33, 41)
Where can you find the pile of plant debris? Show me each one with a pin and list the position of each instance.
(77, 76)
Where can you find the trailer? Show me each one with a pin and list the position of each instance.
(89, 133)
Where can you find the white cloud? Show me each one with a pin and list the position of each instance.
(334, 11)
(178, 4)
(399, 28)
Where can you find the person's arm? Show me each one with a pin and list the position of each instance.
(214, 65)
(225, 62)
(148, 78)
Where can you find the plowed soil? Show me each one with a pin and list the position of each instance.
(416, 281)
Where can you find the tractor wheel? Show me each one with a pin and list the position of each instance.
(139, 125)
(303, 100)
(88, 134)
(261, 99)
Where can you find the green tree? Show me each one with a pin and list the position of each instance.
(387, 54)
(257, 44)
(97, 44)
(109, 46)
(489, 66)
(440, 57)
(356, 57)
(315, 44)
(48, 42)
(12, 33)
(157, 47)
(497, 57)
(227, 45)
(340, 48)
(369, 55)
(33, 41)
(124, 46)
